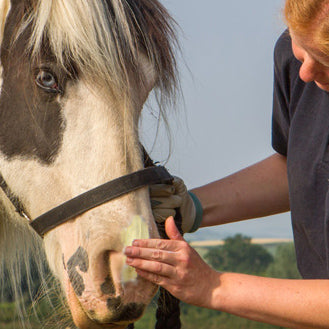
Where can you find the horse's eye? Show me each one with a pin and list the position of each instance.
(47, 81)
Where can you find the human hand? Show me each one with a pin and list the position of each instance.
(166, 198)
(175, 266)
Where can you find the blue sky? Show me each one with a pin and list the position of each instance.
(226, 76)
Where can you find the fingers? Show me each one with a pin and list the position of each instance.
(172, 264)
(161, 190)
(158, 260)
(157, 268)
(154, 278)
(165, 190)
(173, 201)
(154, 259)
(151, 254)
(172, 230)
(179, 186)
(160, 244)
(165, 207)
(161, 215)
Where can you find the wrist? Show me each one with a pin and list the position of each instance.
(213, 292)
(198, 212)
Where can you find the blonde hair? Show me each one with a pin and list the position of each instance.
(309, 18)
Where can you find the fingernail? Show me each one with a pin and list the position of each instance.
(129, 260)
(135, 243)
(128, 251)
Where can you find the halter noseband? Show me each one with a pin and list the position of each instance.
(90, 199)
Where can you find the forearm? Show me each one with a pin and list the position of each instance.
(257, 191)
(287, 303)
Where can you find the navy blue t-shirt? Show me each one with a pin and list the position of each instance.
(300, 131)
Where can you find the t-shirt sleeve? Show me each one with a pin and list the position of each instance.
(281, 94)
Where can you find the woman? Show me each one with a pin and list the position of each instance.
(295, 178)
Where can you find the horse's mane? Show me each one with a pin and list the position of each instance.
(105, 40)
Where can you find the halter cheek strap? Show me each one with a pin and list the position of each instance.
(16, 202)
(90, 199)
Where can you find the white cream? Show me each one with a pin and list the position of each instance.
(138, 229)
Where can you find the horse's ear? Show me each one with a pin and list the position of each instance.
(4, 9)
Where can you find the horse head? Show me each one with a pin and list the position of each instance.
(74, 77)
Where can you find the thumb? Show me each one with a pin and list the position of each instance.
(172, 230)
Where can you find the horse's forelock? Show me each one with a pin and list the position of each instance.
(105, 39)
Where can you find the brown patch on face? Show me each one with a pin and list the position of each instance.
(79, 260)
(31, 124)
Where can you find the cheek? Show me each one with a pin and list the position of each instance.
(326, 73)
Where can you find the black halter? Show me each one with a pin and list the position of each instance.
(90, 199)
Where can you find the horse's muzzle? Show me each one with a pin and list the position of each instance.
(117, 316)
(99, 296)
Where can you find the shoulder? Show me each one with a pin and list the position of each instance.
(283, 44)
(286, 66)
(284, 58)
(283, 50)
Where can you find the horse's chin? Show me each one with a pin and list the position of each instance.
(123, 316)
(82, 320)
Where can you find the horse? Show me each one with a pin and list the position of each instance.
(74, 76)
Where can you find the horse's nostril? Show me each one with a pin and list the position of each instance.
(108, 272)
(107, 287)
